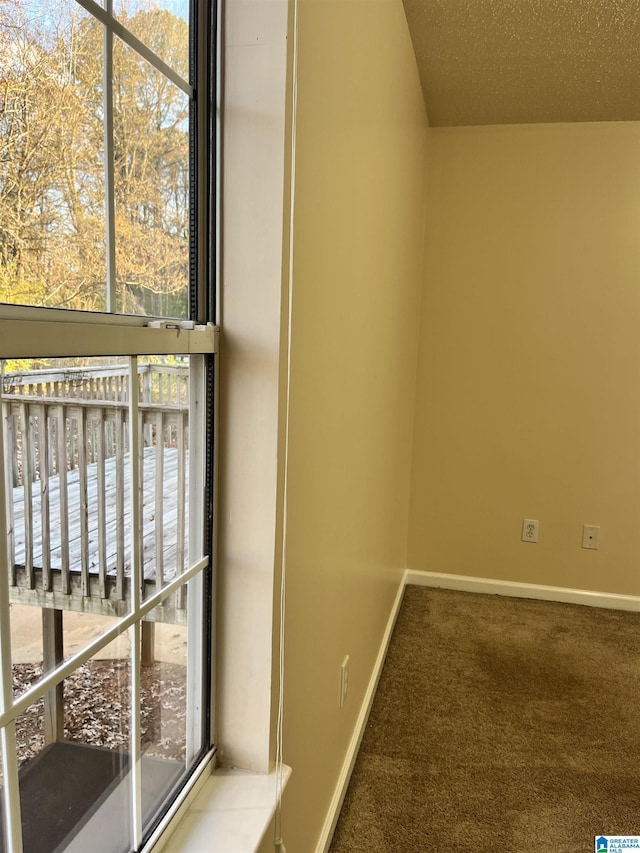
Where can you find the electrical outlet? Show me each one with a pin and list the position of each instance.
(591, 536)
(344, 680)
(530, 529)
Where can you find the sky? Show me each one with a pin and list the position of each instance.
(180, 8)
(48, 16)
(43, 9)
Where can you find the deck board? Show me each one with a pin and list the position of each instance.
(151, 532)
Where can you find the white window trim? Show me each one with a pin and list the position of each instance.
(229, 810)
(227, 801)
(254, 172)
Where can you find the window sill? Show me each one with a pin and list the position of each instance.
(230, 814)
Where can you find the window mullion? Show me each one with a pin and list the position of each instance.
(109, 177)
(195, 587)
(135, 640)
(11, 788)
(135, 461)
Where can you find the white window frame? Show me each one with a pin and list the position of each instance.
(32, 332)
(10, 708)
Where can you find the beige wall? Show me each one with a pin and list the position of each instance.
(528, 397)
(359, 203)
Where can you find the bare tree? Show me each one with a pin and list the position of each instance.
(52, 185)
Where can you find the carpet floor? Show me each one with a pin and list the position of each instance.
(499, 724)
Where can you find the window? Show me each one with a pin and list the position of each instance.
(107, 367)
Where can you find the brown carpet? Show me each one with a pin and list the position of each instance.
(499, 724)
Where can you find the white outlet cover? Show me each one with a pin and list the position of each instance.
(591, 536)
(530, 528)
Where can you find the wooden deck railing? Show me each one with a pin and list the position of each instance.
(67, 436)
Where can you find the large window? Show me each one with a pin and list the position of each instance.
(107, 365)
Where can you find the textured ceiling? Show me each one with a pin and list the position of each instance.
(520, 61)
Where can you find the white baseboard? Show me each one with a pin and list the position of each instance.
(354, 744)
(463, 583)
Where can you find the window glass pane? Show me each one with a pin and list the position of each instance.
(151, 149)
(30, 738)
(163, 712)
(80, 629)
(164, 676)
(78, 783)
(174, 683)
(67, 470)
(26, 646)
(43, 637)
(163, 26)
(52, 233)
(71, 452)
(164, 418)
(97, 698)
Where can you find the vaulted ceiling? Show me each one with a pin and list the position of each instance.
(521, 61)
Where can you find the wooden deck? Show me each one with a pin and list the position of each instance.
(173, 553)
(168, 527)
(68, 477)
